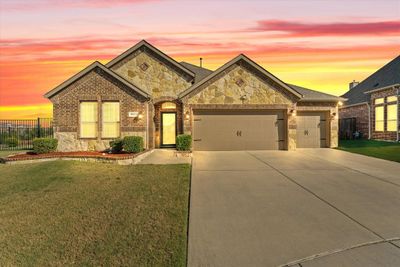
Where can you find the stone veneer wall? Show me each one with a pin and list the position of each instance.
(159, 80)
(385, 135)
(360, 112)
(95, 86)
(237, 83)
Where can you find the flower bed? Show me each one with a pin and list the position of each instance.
(79, 155)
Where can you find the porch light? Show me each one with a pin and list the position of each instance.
(293, 112)
(340, 103)
(140, 116)
(187, 115)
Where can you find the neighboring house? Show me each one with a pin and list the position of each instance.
(374, 103)
(144, 92)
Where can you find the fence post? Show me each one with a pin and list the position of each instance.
(38, 128)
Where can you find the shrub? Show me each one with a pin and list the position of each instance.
(184, 142)
(12, 141)
(116, 145)
(133, 144)
(44, 145)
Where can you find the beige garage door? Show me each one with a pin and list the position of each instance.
(238, 130)
(311, 130)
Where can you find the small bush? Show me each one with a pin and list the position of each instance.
(133, 144)
(44, 145)
(116, 145)
(184, 142)
(12, 141)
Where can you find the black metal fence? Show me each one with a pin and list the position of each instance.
(347, 128)
(19, 134)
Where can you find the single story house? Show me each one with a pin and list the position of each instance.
(144, 92)
(374, 103)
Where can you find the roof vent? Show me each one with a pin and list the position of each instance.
(353, 84)
(144, 66)
(376, 85)
(201, 62)
(239, 82)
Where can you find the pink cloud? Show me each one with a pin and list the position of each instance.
(298, 29)
(48, 4)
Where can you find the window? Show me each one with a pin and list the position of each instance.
(168, 105)
(110, 116)
(391, 118)
(379, 101)
(88, 119)
(391, 99)
(379, 118)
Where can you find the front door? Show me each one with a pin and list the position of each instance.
(168, 129)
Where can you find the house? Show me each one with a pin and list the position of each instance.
(374, 103)
(144, 92)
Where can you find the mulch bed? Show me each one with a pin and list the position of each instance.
(77, 154)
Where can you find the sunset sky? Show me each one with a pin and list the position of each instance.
(318, 44)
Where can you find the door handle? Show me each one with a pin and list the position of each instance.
(238, 133)
(305, 132)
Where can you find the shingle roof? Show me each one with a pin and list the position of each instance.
(200, 73)
(240, 58)
(385, 76)
(312, 95)
(89, 68)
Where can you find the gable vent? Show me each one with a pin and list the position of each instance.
(144, 66)
(239, 82)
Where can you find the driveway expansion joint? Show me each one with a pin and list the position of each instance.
(320, 198)
(332, 252)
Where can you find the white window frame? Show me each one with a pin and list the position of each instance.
(103, 122)
(95, 122)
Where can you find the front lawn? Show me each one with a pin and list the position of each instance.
(372, 148)
(80, 213)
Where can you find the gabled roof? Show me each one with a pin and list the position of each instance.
(235, 60)
(85, 71)
(312, 95)
(386, 76)
(200, 72)
(150, 47)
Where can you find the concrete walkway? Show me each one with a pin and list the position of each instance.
(318, 207)
(165, 156)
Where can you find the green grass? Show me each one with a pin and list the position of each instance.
(372, 148)
(91, 214)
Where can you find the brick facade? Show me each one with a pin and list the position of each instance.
(360, 112)
(95, 86)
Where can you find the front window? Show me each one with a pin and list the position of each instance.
(88, 119)
(379, 119)
(390, 99)
(392, 117)
(111, 119)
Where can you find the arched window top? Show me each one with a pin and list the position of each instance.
(168, 105)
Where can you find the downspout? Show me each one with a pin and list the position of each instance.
(398, 117)
(369, 120)
(147, 126)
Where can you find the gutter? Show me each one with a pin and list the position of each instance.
(353, 105)
(382, 88)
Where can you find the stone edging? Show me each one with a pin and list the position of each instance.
(129, 160)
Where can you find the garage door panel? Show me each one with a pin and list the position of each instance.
(237, 130)
(311, 130)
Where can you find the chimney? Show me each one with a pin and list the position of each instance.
(353, 84)
(201, 62)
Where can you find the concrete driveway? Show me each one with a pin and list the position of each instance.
(312, 207)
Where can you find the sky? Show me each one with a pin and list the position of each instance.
(319, 44)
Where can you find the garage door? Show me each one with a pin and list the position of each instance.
(311, 130)
(238, 130)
